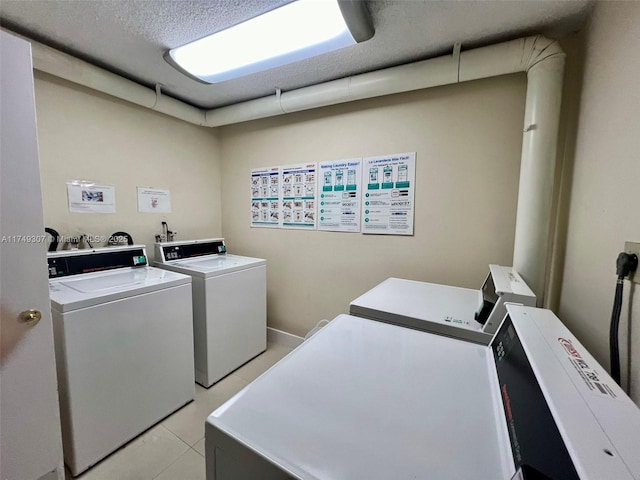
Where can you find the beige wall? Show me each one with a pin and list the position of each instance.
(86, 135)
(605, 190)
(468, 139)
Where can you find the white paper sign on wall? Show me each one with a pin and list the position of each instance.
(340, 191)
(87, 197)
(265, 197)
(389, 189)
(298, 187)
(154, 200)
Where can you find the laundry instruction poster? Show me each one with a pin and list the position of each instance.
(265, 197)
(339, 191)
(298, 184)
(87, 197)
(389, 187)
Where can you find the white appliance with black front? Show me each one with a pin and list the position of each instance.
(458, 312)
(124, 347)
(229, 304)
(365, 399)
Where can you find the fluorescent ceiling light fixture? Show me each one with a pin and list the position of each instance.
(298, 30)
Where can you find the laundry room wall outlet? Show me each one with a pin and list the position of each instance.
(633, 247)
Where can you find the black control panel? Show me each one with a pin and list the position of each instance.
(181, 252)
(95, 262)
(536, 442)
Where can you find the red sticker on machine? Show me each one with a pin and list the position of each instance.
(589, 375)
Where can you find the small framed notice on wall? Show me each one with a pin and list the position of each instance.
(154, 200)
(87, 197)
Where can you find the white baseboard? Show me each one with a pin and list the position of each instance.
(283, 338)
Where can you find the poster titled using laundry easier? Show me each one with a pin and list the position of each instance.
(265, 197)
(298, 184)
(389, 187)
(339, 191)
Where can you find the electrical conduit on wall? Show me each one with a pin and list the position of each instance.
(540, 58)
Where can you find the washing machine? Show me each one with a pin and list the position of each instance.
(229, 304)
(366, 399)
(465, 313)
(123, 338)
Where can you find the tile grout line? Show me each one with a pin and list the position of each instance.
(180, 438)
(178, 459)
(171, 464)
(203, 456)
(189, 447)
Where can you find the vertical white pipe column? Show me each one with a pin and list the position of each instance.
(537, 168)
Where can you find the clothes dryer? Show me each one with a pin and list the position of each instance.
(124, 347)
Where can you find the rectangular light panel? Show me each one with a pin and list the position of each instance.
(293, 32)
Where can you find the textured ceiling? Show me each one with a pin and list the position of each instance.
(129, 37)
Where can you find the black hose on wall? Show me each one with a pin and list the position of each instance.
(625, 264)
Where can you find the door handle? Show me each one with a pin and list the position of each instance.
(30, 317)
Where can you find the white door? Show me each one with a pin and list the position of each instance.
(30, 441)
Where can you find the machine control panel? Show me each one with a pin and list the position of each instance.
(139, 260)
(535, 439)
(192, 250)
(94, 261)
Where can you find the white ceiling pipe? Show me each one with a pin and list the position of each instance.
(54, 62)
(328, 93)
(543, 60)
(537, 169)
(404, 78)
(180, 110)
(540, 58)
(501, 58)
(241, 112)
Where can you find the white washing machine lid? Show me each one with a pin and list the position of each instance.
(599, 423)
(364, 399)
(201, 258)
(441, 309)
(212, 265)
(509, 282)
(88, 289)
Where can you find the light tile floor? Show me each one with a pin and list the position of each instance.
(174, 448)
